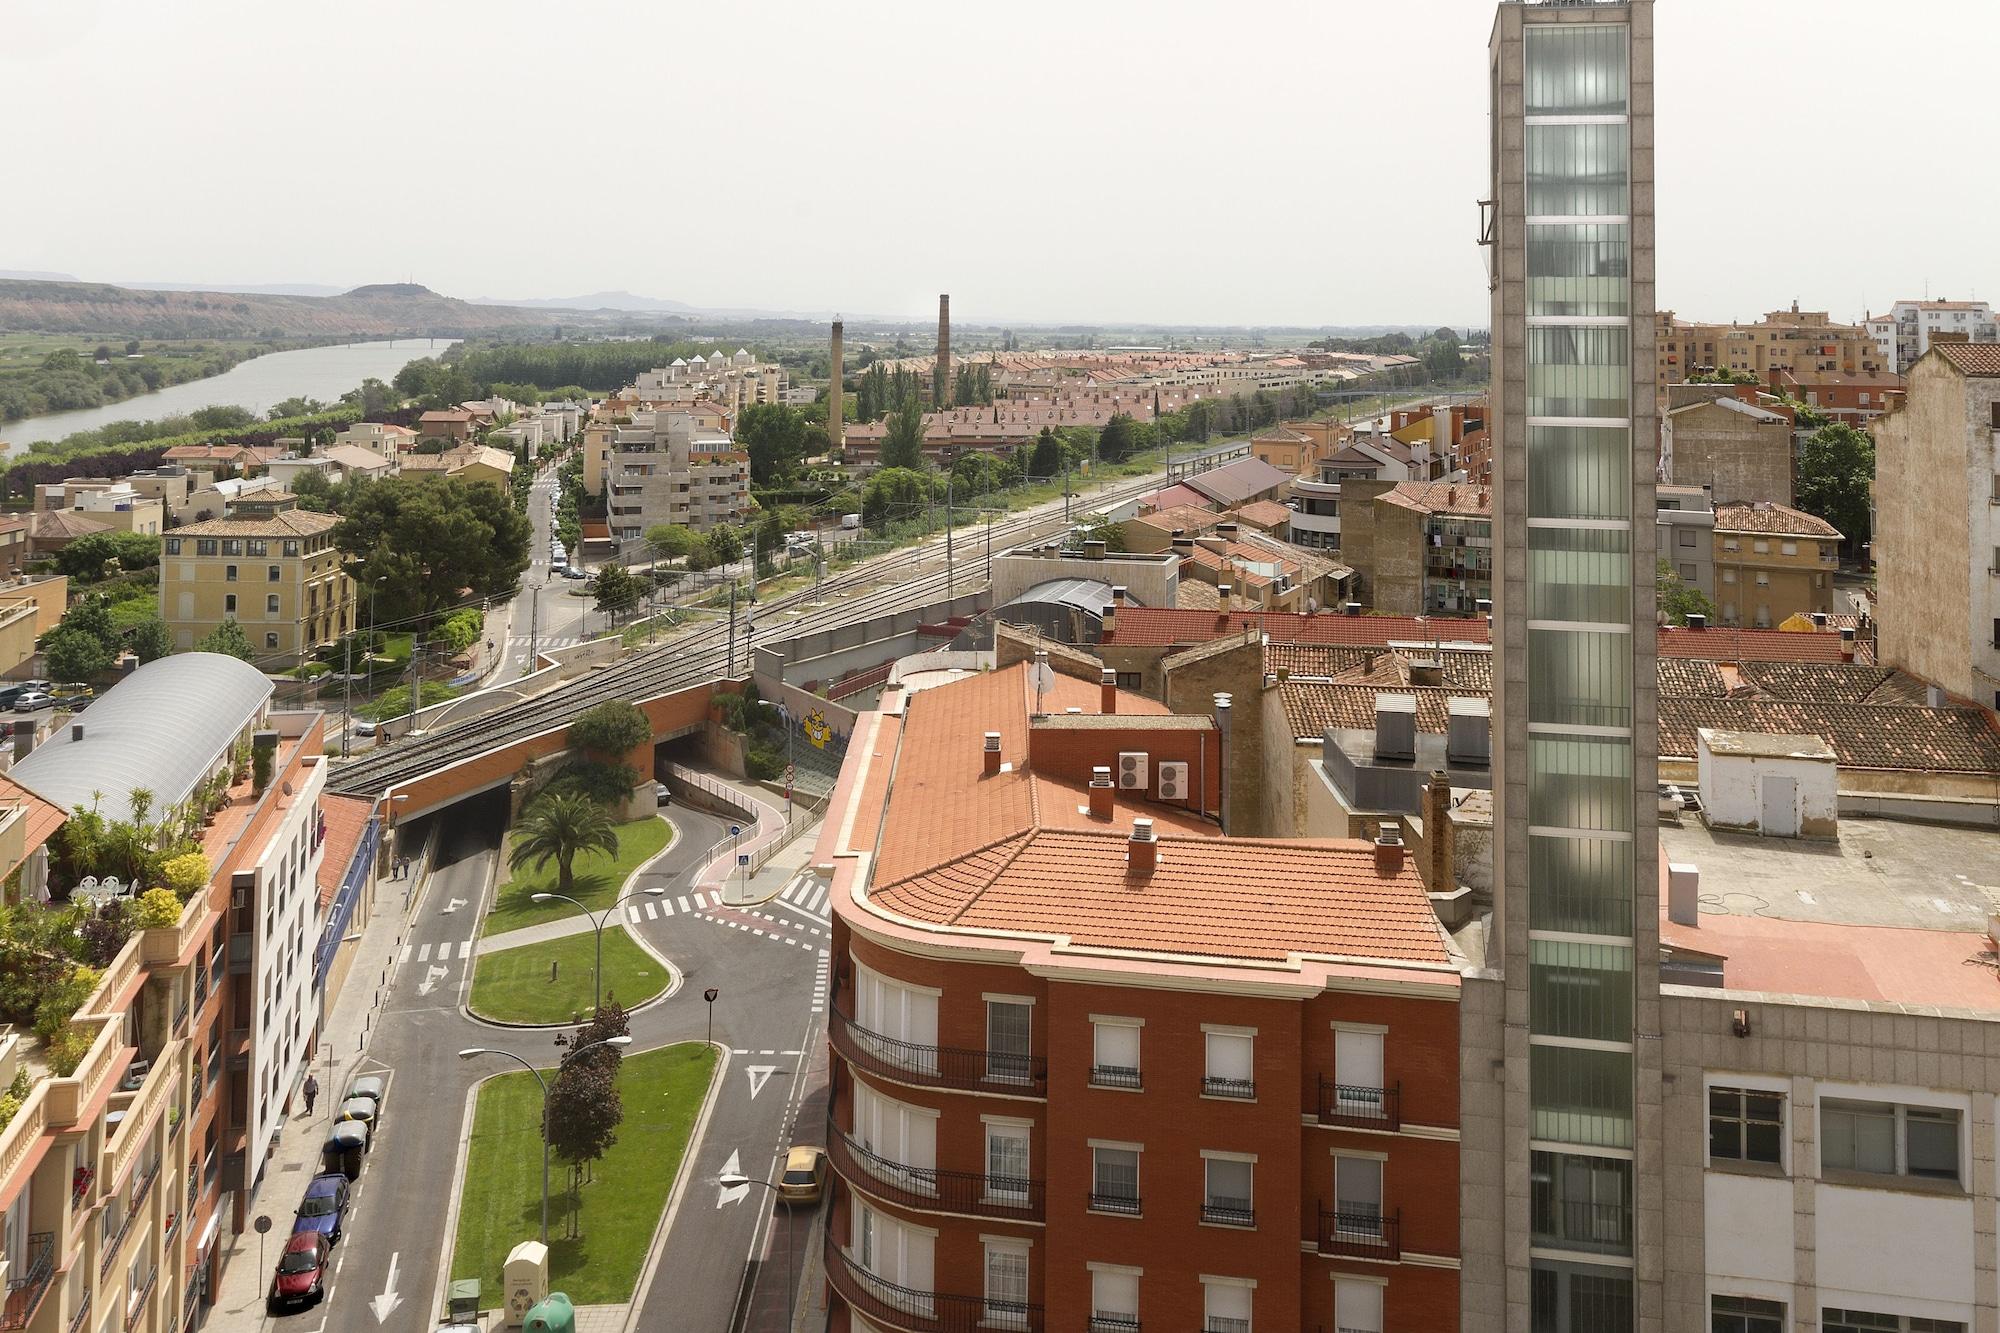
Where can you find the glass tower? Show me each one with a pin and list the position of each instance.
(1570, 226)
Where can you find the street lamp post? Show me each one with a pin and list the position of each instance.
(483, 1050)
(730, 1180)
(598, 920)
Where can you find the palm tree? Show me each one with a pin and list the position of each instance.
(556, 828)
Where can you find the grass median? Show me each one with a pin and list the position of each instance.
(599, 879)
(598, 1243)
(551, 982)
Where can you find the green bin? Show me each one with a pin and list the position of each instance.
(553, 1315)
(464, 1299)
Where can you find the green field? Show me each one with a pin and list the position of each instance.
(514, 986)
(599, 879)
(618, 1209)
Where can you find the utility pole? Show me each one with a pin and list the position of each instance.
(949, 477)
(731, 669)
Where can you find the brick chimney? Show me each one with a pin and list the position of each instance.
(835, 410)
(1438, 873)
(1107, 691)
(991, 754)
(1102, 793)
(1141, 852)
(943, 391)
(1388, 853)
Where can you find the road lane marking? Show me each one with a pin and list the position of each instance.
(684, 904)
(652, 912)
(424, 954)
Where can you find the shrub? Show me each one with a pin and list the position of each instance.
(185, 874)
(612, 729)
(160, 908)
(104, 934)
(762, 763)
(60, 1003)
(66, 1050)
(261, 764)
(605, 784)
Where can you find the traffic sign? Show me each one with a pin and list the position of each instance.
(743, 858)
(735, 830)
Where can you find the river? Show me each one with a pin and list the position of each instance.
(323, 373)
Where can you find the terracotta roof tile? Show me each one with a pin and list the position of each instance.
(1194, 595)
(1264, 513)
(346, 820)
(1750, 645)
(1688, 677)
(1151, 625)
(1313, 707)
(1763, 516)
(1949, 740)
(1977, 359)
(284, 523)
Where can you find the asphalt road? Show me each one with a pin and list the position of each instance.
(767, 1014)
(545, 615)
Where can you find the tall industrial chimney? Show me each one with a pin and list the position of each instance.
(941, 389)
(836, 405)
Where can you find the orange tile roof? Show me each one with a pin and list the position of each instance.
(1144, 626)
(1768, 517)
(346, 820)
(1741, 645)
(44, 817)
(1981, 360)
(1264, 513)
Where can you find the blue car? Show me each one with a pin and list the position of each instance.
(324, 1208)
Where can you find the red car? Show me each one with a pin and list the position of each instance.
(301, 1276)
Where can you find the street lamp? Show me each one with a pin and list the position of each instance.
(597, 970)
(732, 1179)
(483, 1050)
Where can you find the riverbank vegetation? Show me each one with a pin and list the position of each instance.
(44, 373)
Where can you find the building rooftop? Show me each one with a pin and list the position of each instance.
(1264, 513)
(1980, 360)
(346, 822)
(1160, 626)
(282, 523)
(1764, 516)
(1718, 644)
(1233, 483)
(1441, 497)
(1929, 740)
(1765, 744)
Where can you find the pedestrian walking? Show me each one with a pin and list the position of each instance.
(311, 1091)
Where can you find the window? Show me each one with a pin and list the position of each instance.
(1788, 548)
(1134, 680)
(1745, 1314)
(291, 548)
(1114, 1299)
(1580, 1202)
(232, 546)
(1729, 576)
(1357, 1071)
(1745, 1125)
(1225, 1304)
(271, 605)
(1009, 1024)
(1890, 1140)
(1226, 1198)
(173, 544)
(896, 1253)
(1006, 1284)
(1114, 1178)
(1231, 1068)
(229, 603)
(256, 546)
(1687, 573)
(229, 573)
(1763, 579)
(273, 573)
(1867, 1321)
(271, 639)
(1007, 1161)
(1357, 1305)
(902, 1139)
(900, 1021)
(1685, 537)
(1114, 1052)
(1357, 1194)
(1728, 543)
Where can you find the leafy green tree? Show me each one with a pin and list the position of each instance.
(558, 828)
(1836, 471)
(1677, 600)
(84, 559)
(228, 637)
(617, 591)
(670, 541)
(903, 446)
(610, 730)
(774, 437)
(432, 541)
(1046, 459)
(725, 544)
(1115, 441)
(893, 493)
(149, 639)
(72, 654)
(296, 407)
(1108, 531)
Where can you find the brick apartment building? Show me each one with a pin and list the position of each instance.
(1096, 1063)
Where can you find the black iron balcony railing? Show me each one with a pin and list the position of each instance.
(1360, 1233)
(1583, 1225)
(938, 1066)
(81, 1315)
(1229, 1213)
(1101, 1322)
(1243, 1089)
(137, 1310)
(1360, 1107)
(79, 1185)
(906, 1308)
(144, 1186)
(1115, 1076)
(24, 1293)
(1127, 1204)
(1012, 1197)
(181, 1012)
(1222, 1323)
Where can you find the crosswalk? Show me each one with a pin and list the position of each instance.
(520, 643)
(781, 933)
(659, 909)
(808, 894)
(444, 953)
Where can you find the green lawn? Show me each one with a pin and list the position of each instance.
(501, 1202)
(599, 879)
(513, 985)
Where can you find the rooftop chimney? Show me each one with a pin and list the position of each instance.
(1819, 619)
(1224, 596)
(1226, 531)
(1118, 594)
(1395, 726)
(1847, 643)
(1107, 691)
(835, 407)
(1093, 550)
(942, 393)
(1102, 793)
(991, 754)
(1388, 852)
(1222, 708)
(1352, 608)
(76, 731)
(24, 737)
(1933, 696)
(1142, 853)
(1696, 620)
(1426, 671)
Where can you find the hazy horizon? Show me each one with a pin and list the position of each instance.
(1319, 166)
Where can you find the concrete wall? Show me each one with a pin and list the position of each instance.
(1732, 791)
(1151, 579)
(1741, 457)
(823, 656)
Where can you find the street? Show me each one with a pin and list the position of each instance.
(544, 613)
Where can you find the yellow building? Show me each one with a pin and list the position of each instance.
(1802, 341)
(1772, 562)
(270, 566)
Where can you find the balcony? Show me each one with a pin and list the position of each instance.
(24, 1293)
(999, 1072)
(82, 1314)
(1116, 1076)
(135, 1312)
(1008, 1198)
(1360, 1234)
(1241, 1089)
(1125, 1205)
(1114, 1323)
(913, 1311)
(79, 1186)
(1229, 1213)
(1357, 1107)
(1602, 1228)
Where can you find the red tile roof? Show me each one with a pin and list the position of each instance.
(346, 821)
(1925, 740)
(44, 817)
(1144, 626)
(1767, 517)
(1265, 513)
(1981, 360)
(1442, 497)
(1750, 645)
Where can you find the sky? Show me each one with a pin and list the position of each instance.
(1099, 161)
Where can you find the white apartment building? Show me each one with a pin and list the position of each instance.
(731, 382)
(1368, 456)
(666, 467)
(1904, 334)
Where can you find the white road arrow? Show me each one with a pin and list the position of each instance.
(730, 1193)
(385, 1304)
(432, 975)
(452, 906)
(759, 1076)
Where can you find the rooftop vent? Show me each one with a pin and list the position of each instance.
(1395, 726)
(1142, 852)
(991, 753)
(1102, 792)
(1388, 853)
(1468, 739)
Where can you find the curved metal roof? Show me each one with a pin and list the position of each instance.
(164, 727)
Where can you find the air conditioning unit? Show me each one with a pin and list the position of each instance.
(1132, 770)
(1174, 780)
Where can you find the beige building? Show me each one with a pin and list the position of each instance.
(472, 462)
(271, 567)
(1937, 523)
(1420, 547)
(669, 468)
(378, 437)
(1799, 340)
(1772, 562)
(1739, 450)
(122, 506)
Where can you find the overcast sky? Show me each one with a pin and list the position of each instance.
(1282, 163)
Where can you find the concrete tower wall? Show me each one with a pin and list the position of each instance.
(836, 399)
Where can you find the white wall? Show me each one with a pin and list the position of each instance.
(1731, 787)
(287, 928)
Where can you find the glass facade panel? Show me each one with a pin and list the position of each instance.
(1580, 1202)
(1579, 678)
(1579, 1298)
(1579, 372)
(1580, 990)
(1578, 171)
(1582, 886)
(1576, 69)
(1579, 472)
(1579, 268)
(1581, 1096)
(1580, 782)
(1580, 574)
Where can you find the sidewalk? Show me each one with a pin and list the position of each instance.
(342, 1053)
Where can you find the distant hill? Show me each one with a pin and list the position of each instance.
(381, 310)
(623, 301)
(231, 288)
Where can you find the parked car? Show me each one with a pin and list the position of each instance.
(301, 1276)
(10, 693)
(324, 1209)
(805, 1175)
(572, 572)
(74, 703)
(29, 701)
(666, 797)
(71, 687)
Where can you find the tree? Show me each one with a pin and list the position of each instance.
(558, 827)
(148, 639)
(1677, 601)
(725, 544)
(774, 436)
(583, 1112)
(72, 654)
(1046, 459)
(228, 637)
(432, 540)
(617, 591)
(611, 1020)
(903, 446)
(1114, 442)
(610, 730)
(1836, 471)
(670, 541)
(893, 493)
(1106, 530)
(85, 558)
